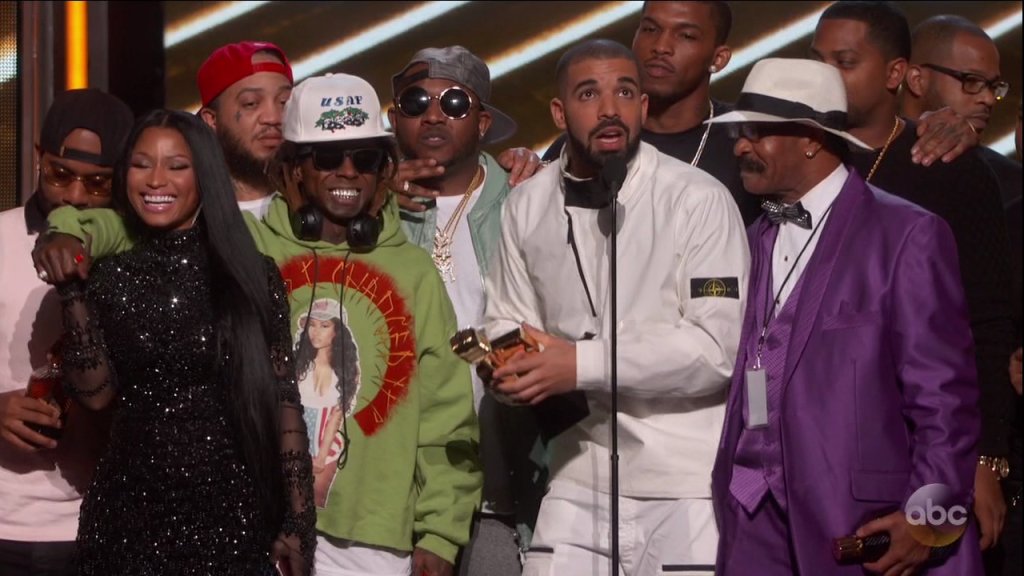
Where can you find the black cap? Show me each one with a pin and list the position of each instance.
(92, 110)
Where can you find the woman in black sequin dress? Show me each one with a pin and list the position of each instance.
(207, 471)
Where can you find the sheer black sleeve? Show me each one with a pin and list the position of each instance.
(297, 467)
(87, 373)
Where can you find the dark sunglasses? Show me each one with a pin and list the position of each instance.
(755, 131)
(414, 101)
(330, 158)
(60, 177)
(974, 83)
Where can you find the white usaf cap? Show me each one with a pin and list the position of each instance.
(333, 108)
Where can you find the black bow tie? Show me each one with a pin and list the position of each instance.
(778, 213)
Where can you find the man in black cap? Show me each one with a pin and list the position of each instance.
(443, 117)
(42, 479)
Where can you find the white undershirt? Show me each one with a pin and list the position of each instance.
(258, 207)
(791, 238)
(467, 291)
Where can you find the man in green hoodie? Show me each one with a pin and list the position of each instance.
(388, 403)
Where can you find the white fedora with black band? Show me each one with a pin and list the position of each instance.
(793, 90)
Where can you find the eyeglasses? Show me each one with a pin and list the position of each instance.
(415, 101)
(330, 158)
(60, 177)
(974, 83)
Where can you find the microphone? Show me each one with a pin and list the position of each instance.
(613, 174)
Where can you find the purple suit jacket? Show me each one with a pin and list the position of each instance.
(880, 389)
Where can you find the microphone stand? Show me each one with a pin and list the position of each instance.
(614, 174)
(615, 384)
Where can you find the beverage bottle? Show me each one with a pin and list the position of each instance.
(45, 384)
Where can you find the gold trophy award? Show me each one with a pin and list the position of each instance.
(473, 346)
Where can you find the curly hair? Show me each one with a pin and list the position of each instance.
(344, 361)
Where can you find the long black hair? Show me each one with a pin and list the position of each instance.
(241, 298)
(344, 360)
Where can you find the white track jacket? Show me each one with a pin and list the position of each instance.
(682, 279)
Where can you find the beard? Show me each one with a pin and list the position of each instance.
(242, 165)
(598, 159)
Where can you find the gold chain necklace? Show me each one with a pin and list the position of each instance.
(442, 253)
(892, 135)
(704, 138)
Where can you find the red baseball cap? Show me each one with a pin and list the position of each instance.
(231, 63)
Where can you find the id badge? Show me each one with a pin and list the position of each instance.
(757, 399)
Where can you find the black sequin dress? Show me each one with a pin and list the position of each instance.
(172, 494)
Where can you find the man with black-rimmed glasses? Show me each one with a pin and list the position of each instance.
(955, 64)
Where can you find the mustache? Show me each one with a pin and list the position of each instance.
(748, 164)
(269, 131)
(609, 123)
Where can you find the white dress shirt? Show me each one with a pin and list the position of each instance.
(792, 238)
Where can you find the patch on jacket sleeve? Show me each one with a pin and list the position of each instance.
(715, 288)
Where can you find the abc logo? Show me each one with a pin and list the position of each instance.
(935, 518)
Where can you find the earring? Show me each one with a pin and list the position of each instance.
(713, 69)
(809, 154)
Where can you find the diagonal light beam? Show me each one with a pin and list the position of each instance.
(179, 32)
(544, 44)
(766, 45)
(349, 47)
(376, 35)
(1002, 26)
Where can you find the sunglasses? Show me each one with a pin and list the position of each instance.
(330, 158)
(973, 83)
(414, 101)
(755, 131)
(60, 177)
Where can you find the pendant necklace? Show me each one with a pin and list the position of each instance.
(443, 237)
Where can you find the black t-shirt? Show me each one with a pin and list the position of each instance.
(717, 158)
(1008, 173)
(966, 195)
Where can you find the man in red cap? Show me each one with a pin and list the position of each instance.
(244, 87)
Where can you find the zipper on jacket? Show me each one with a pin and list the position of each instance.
(571, 240)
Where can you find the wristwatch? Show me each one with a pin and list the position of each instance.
(1001, 466)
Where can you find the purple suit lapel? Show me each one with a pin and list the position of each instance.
(819, 270)
(760, 232)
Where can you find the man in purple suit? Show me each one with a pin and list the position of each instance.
(855, 384)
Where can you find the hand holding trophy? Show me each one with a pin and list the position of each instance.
(473, 346)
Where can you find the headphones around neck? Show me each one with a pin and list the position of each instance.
(363, 229)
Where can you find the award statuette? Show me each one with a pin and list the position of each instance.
(555, 414)
(856, 550)
(473, 346)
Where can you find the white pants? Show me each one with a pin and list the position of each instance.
(656, 536)
(337, 557)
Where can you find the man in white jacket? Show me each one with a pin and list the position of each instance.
(682, 275)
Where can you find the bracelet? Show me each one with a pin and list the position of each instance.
(1000, 466)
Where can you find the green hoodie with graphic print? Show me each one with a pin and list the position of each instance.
(407, 449)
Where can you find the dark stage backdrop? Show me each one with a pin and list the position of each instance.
(521, 41)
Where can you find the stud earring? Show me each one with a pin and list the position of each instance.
(809, 154)
(713, 69)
